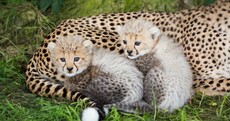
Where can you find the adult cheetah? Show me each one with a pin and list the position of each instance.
(204, 34)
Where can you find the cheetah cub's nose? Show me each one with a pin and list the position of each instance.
(129, 52)
(69, 69)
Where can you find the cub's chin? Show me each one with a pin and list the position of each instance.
(136, 56)
(133, 56)
(70, 74)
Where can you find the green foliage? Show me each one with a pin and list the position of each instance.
(9, 68)
(222, 111)
(55, 5)
(20, 25)
(79, 8)
(12, 1)
(202, 2)
(42, 110)
(207, 2)
(44, 4)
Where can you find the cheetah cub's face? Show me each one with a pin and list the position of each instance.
(71, 55)
(138, 37)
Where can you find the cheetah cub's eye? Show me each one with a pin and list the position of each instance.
(76, 59)
(124, 41)
(137, 43)
(62, 59)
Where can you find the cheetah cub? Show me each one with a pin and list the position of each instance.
(168, 78)
(103, 76)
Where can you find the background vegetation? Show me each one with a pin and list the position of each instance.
(23, 25)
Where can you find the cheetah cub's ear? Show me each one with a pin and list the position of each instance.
(155, 32)
(88, 45)
(51, 46)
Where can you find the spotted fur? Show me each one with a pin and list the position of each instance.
(103, 76)
(202, 32)
(168, 77)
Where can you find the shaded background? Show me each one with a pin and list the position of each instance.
(24, 22)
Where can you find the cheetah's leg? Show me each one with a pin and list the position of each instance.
(153, 87)
(170, 89)
(220, 86)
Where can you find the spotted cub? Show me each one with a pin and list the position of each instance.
(103, 76)
(168, 77)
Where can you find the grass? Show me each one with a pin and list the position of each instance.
(21, 35)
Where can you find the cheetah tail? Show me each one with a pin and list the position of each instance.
(42, 87)
(93, 114)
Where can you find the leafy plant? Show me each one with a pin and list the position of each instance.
(11, 1)
(202, 2)
(207, 2)
(55, 5)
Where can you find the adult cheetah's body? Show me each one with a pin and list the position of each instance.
(204, 34)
